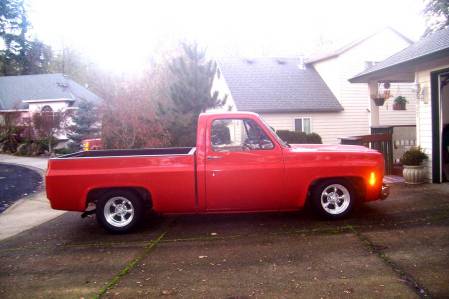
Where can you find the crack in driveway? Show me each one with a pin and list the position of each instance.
(405, 277)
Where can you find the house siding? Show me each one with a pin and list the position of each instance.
(219, 84)
(388, 116)
(354, 97)
(321, 123)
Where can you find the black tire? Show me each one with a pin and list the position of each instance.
(120, 202)
(338, 203)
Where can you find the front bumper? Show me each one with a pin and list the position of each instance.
(385, 192)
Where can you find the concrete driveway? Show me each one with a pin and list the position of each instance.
(396, 248)
(31, 210)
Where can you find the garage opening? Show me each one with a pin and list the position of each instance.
(440, 125)
(444, 98)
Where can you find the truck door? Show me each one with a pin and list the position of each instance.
(244, 167)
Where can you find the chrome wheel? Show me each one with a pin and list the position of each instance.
(335, 199)
(118, 211)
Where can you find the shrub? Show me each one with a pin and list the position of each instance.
(299, 137)
(314, 138)
(413, 157)
(23, 149)
(10, 138)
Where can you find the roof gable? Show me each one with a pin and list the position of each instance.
(276, 85)
(351, 45)
(16, 89)
(436, 44)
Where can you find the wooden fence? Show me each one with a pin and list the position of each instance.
(391, 141)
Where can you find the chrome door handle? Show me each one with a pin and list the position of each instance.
(214, 157)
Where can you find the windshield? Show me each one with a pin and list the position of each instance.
(282, 142)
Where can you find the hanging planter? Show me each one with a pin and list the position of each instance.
(381, 95)
(379, 101)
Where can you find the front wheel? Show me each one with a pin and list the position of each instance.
(119, 211)
(333, 199)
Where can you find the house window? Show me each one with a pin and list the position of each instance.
(46, 108)
(303, 124)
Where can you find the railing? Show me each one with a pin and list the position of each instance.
(391, 141)
(404, 137)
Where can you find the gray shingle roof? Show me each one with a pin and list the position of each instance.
(16, 89)
(434, 44)
(276, 85)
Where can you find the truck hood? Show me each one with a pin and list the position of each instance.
(326, 148)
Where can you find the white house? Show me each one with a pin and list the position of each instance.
(315, 95)
(425, 64)
(44, 92)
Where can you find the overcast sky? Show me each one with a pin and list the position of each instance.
(107, 30)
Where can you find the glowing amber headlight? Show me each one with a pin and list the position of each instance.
(372, 179)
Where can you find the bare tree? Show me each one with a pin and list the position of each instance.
(128, 116)
(47, 124)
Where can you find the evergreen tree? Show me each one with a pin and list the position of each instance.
(437, 13)
(85, 123)
(21, 55)
(190, 94)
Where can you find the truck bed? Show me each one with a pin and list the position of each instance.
(168, 174)
(131, 152)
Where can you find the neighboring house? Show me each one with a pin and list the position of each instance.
(35, 93)
(426, 65)
(314, 95)
(285, 93)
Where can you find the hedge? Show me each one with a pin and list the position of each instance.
(299, 137)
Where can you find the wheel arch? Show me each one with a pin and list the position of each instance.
(358, 183)
(143, 193)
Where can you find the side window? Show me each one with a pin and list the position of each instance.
(236, 135)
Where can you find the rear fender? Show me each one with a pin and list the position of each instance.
(93, 194)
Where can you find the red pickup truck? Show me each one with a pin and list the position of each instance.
(238, 165)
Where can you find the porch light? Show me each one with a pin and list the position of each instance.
(422, 93)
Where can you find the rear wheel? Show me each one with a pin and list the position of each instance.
(119, 211)
(333, 199)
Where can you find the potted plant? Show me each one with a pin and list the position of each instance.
(399, 103)
(414, 172)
